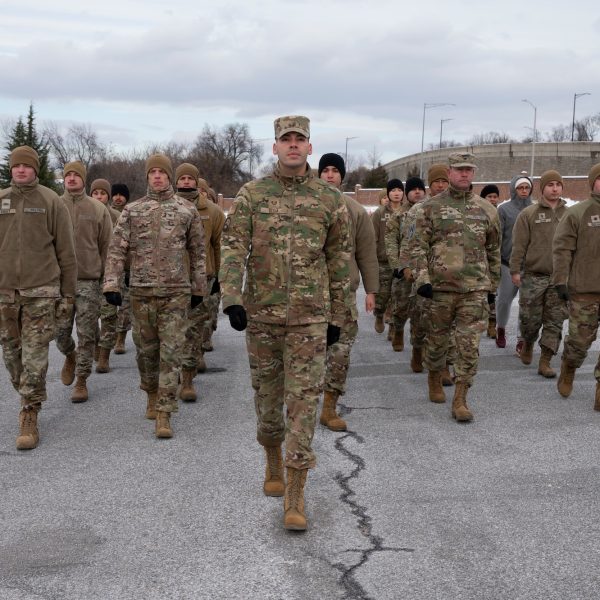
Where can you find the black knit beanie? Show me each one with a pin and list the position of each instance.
(489, 189)
(414, 183)
(392, 184)
(332, 160)
(119, 188)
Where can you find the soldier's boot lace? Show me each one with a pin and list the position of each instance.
(293, 502)
(29, 436)
(274, 485)
(460, 410)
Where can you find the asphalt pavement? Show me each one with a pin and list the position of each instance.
(407, 504)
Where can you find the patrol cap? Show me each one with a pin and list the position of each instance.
(25, 155)
(292, 123)
(462, 159)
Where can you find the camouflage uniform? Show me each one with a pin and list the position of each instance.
(123, 312)
(37, 267)
(455, 246)
(290, 237)
(92, 230)
(539, 304)
(576, 249)
(380, 218)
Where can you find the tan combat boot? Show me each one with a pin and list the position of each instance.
(544, 368)
(379, 325)
(436, 391)
(29, 436)
(96, 353)
(460, 410)
(398, 340)
(274, 484)
(187, 392)
(151, 406)
(526, 353)
(329, 417)
(597, 400)
(67, 375)
(293, 503)
(120, 343)
(200, 364)
(80, 391)
(565, 379)
(446, 376)
(390, 335)
(163, 424)
(491, 329)
(416, 360)
(102, 365)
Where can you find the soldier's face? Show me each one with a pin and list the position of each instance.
(553, 190)
(100, 195)
(158, 179)
(292, 149)
(73, 182)
(415, 195)
(596, 186)
(119, 200)
(332, 175)
(461, 177)
(437, 186)
(22, 174)
(523, 191)
(396, 195)
(493, 198)
(187, 182)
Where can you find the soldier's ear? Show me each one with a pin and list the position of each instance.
(275, 149)
(309, 149)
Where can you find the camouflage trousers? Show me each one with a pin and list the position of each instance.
(541, 308)
(26, 329)
(213, 302)
(196, 333)
(109, 319)
(159, 326)
(287, 366)
(383, 296)
(401, 290)
(469, 311)
(418, 310)
(584, 315)
(85, 316)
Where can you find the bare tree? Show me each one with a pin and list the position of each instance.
(491, 137)
(78, 142)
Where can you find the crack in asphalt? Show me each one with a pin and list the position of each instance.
(354, 591)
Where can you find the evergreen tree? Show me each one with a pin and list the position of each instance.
(376, 178)
(26, 135)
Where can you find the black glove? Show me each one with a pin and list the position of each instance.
(237, 317)
(426, 290)
(196, 300)
(563, 292)
(216, 287)
(398, 274)
(333, 334)
(113, 298)
(491, 298)
(126, 279)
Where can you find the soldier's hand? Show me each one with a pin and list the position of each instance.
(407, 274)
(333, 334)
(237, 316)
(196, 300)
(426, 290)
(113, 298)
(563, 292)
(126, 278)
(216, 287)
(398, 274)
(491, 298)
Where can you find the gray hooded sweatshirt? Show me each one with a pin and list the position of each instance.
(508, 213)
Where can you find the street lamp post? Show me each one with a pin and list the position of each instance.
(533, 139)
(346, 154)
(575, 96)
(427, 105)
(442, 121)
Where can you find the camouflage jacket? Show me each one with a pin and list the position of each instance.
(290, 236)
(157, 231)
(532, 238)
(576, 248)
(379, 218)
(393, 234)
(454, 243)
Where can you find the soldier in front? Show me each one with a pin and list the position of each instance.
(288, 234)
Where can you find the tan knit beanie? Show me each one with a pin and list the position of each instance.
(100, 184)
(25, 155)
(548, 176)
(160, 161)
(187, 169)
(76, 166)
(212, 195)
(435, 172)
(594, 174)
(203, 185)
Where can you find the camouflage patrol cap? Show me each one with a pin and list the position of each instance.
(295, 123)
(462, 159)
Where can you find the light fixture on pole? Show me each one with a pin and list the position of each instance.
(346, 154)
(533, 139)
(427, 105)
(442, 121)
(575, 96)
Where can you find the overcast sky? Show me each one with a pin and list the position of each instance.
(151, 71)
